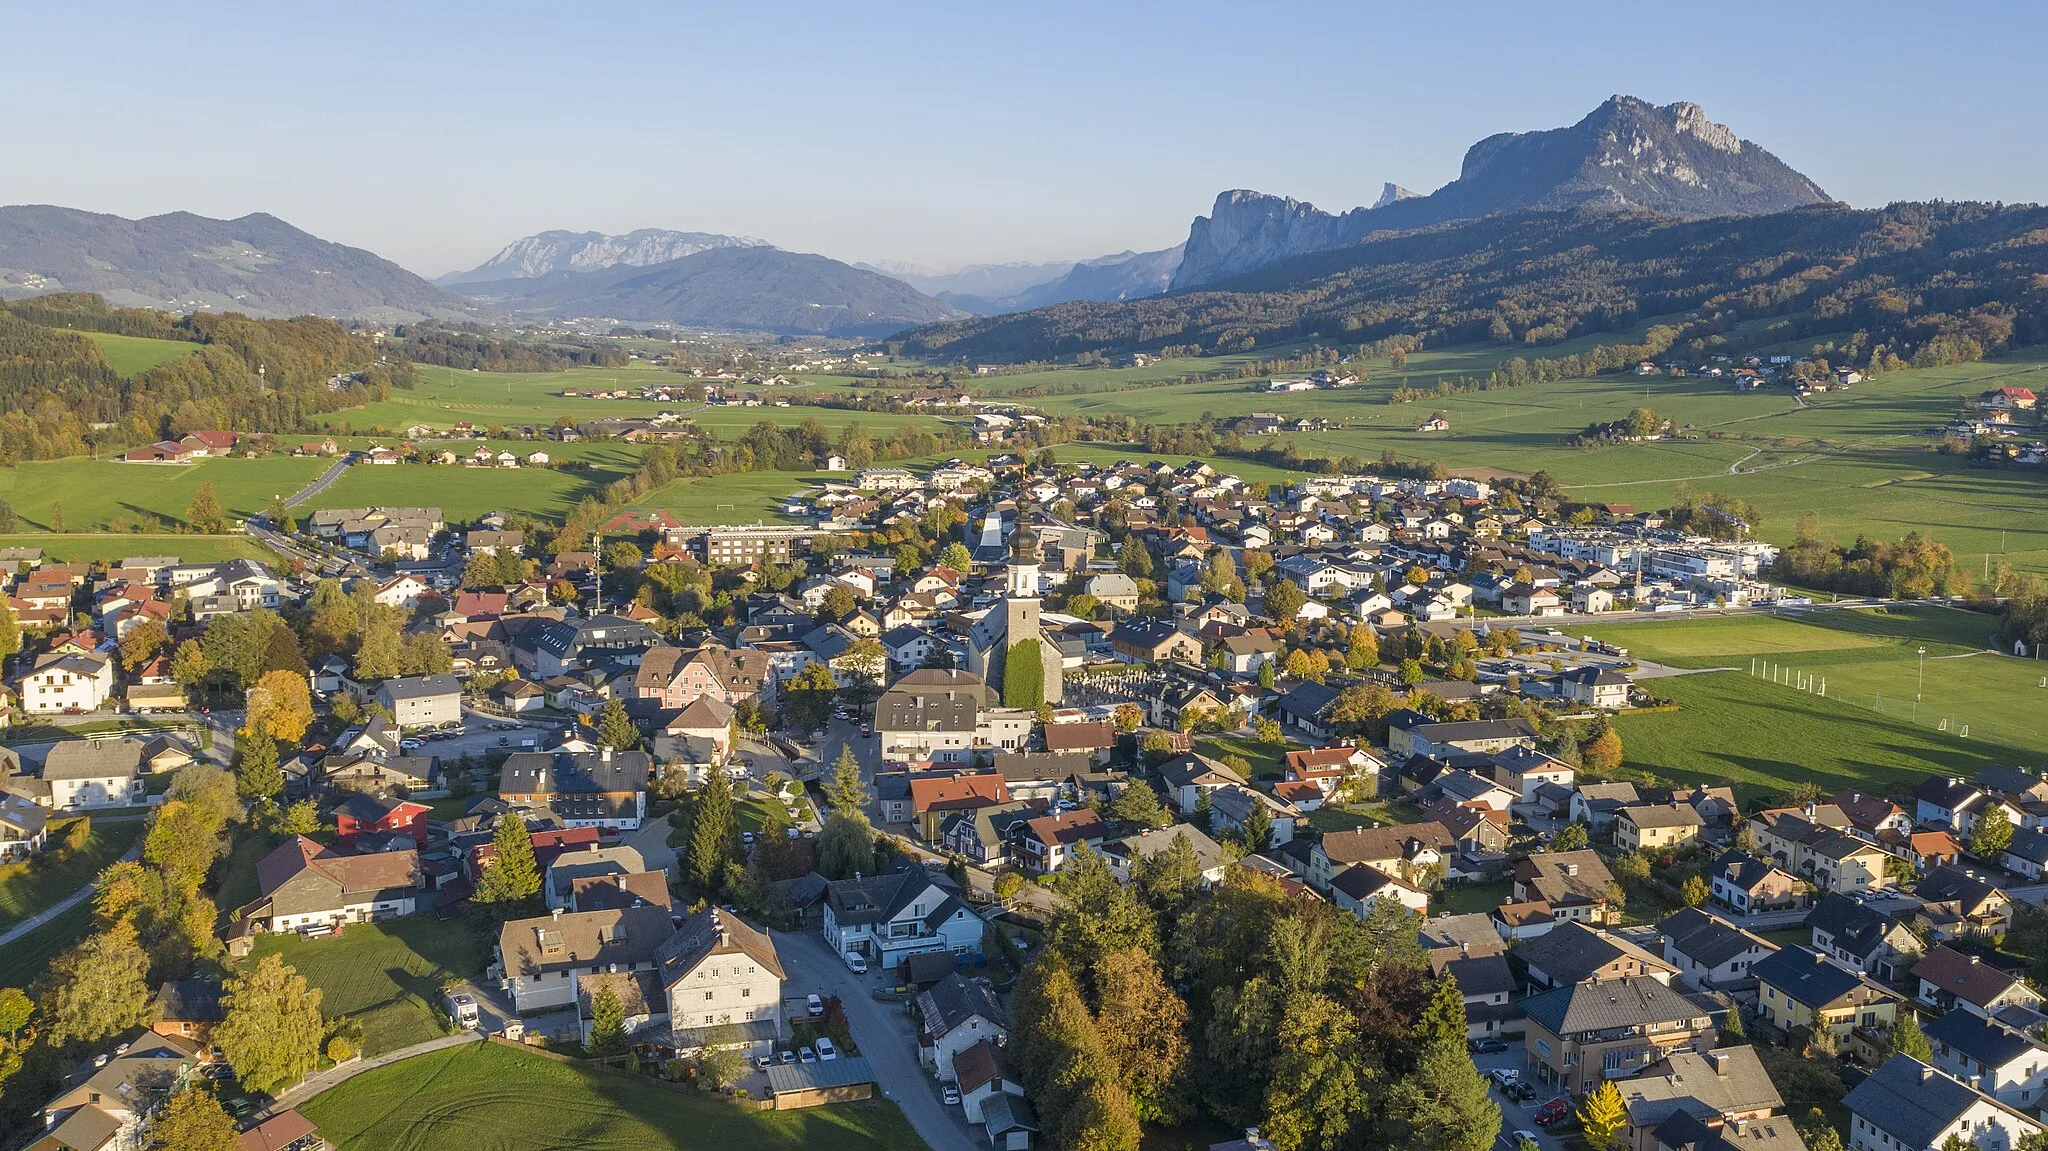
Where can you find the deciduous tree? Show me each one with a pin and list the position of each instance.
(193, 1120)
(1603, 1117)
(281, 703)
(203, 514)
(98, 988)
(1318, 1094)
(271, 1027)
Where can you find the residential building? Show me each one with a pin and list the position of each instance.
(1906, 1105)
(1710, 953)
(83, 774)
(1048, 841)
(363, 815)
(1948, 979)
(1860, 937)
(602, 788)
(24, 828)
(1656, 827)
(1582, 1034)
(1211, 861)
(2005, 1063)
(953, 1015)
(889, 917)
(302, 884)
(1727, 1088)
(541, 958)
(1748, 885)
(1574, 884)
(422, 701)
(1402, 850)
(1574, 953)
(1799, 990)
(67, 683)
(719, 971)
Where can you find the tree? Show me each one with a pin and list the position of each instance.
(1128, 716)
(16, 1009)
(1138, 804)
(281, 703)
(1694, 891)
(98, 988)
(1284, 600)
(1603, 1117)
(807, 699)
(182, 843)
(381, 655)
(142, 642)
(714, 835)
(840, 602)
(1906, 1038)
(1269, 731)
(270, 1029)
(866, 660)
(1258, 827)
(513, 878)
(256, 772)
(1023, 675)
(1570, 837)
(189, 666)
(1144, 1027)
(957, 557)
(193, 1120)
(204, 514)
(1602, 754)
(846, 791)
(1445, 1099)
(301, 818)
(10, 631)
(615, 728)
(607, 1023)
(721, 1062)
(1317, 1096)
(845, 846)
(1992, 835)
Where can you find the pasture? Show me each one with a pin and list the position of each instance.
(1765, 724)
(84, 547)
(488, 1097)
(23, 961)
(128, 355)
(387, 976)
(85, 494)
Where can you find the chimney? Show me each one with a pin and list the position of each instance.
(1720, 1061)
(1926, 1073)
(604, 754)
(557, 913)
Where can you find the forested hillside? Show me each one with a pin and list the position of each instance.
(59, 398)
(1959, 279)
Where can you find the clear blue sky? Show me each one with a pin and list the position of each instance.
(948, 133)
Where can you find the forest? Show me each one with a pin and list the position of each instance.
(1943, 281)
(59, 398)
(471, 348)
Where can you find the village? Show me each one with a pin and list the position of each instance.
(927, 708)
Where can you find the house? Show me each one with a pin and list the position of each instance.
(1748, 885)
(24, 827)
(1717, 1100)
(908, 647)
(984, 834)
(1906, 1105)
(1190, 778)
(1582, 1034)
(1949, 979)
(1411, 733)
(931, 715)
(1487, 985)
(1335, 771)
(935, 795)
(2009, 1065)
(1097, 740)
(1048, 841)
(416, 702)
(66, 682)
(188, 1009)
(106, 1104)
(560, 877)
(1153, 641)
(1573, 883)
(1957, 902)
(1357, 887)
(718, 971)
(1211, 861)
(1708, 952)
(982, 1071)
(541, 958)
(84, 774)
(1403, 850)
(1307, 708)
(603, 788)
(1800, 990)
(888, 917)
(285, 1130)
(1574, 953)
(1524, 771)
(1595, 687)
(303, 884)
(362, 815)
(1860, 937)
(1655, 828)
(954, 1014)
(1231, 808)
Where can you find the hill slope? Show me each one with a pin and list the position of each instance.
(747, 288)
(257, 264)
(560, 251)
(1625, 155)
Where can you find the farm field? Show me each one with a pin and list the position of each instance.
(744, 498)
(128, 355)
(1868, 663)
(26, 890)
(487, 1097)
(464, 493)
(387, 975)
(101, 493)
(84, 547)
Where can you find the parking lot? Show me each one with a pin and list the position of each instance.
(1518, 1115)
(480, 735)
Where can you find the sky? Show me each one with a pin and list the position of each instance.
(946, 134)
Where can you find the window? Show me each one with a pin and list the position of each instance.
(708, 995)
(746, 993)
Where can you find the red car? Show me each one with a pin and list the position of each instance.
(1553, 1111)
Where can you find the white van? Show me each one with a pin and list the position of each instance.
(856, 962)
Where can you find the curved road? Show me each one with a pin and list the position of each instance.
(322, 481)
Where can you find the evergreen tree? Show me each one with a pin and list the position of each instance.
(615, 728)
(513, 878)
(256, 772)
(714, 835)
(1907, 1039)
(1603, 1116)
(607, 1023)
(1138, 804)
(845, 791)
(271, 1028)
(1258, 827)
(1318, 1096)
(1445, 1098)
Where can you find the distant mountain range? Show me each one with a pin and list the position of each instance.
(1123, 276)
(257, 264)
(733, 287)
(1625, 155)
(533, 256)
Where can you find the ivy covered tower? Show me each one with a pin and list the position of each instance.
(1015, 622)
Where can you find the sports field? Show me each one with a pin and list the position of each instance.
(387, 975)
(489, 1097)
(128, 355)
(1830, 696)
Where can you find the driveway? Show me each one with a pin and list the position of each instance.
(1517, 1116)
(651, 841)
(884, 1034)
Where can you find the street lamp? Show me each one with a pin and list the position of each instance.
(1923, 674)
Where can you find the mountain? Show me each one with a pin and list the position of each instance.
(1625, 155)
(257, 264)
(1913, 278)
(975, 281)
(736, 288)
(534, 256)
(1124, 276)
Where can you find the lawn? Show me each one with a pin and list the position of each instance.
(1267, 759)
(128, 355)
(1868, 660)
(88, 494)
(84, 547)
(487, 1097)
(26, 889)
(23, 961)
(464, 493)
(387, 975)
(1470, 897)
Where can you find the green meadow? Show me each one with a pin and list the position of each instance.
(84, 547)
(86, 494)
(128, 355)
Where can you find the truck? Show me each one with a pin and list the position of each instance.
(462, 1009)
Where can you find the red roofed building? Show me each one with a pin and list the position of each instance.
(161, 452)
(1097, 739)
(361, 815)
(1050, 839)
(2008, 399)
(933, 798)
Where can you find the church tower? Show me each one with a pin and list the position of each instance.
(1025, 558)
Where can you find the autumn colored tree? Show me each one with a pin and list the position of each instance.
(281, 704)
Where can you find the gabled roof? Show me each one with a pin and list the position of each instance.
(1964, 976)
(1970, 1034)
(1610, 1003)
(954, 1000)
(1572, 952)
(1393, 841)
(1727, 1081)
(1806, 978)
(1914, 1103)
(714, 932)
(1704, 939)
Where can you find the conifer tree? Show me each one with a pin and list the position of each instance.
(615, 728)
(1603, 1117)
(607, 1023)
(714, 835)
(513, 878)
(1446, 1096)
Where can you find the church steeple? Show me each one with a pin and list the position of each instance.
(1025, 557)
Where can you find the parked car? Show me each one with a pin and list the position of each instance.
(806, 1055)
(787, 1057)
(1553, 1111)
(825, 1048)
(1487, 1046)
(760, 1063)
(814, 1005)
(950, 1094)
(1503, 1076)
(1524, 1136)
(856, 962)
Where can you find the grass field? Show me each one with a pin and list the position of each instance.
(26, 890)
(23, 961)
(97, 493)
(486, 1097)
(128, 355)
(386, 975)
(84, 547)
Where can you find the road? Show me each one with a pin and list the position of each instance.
(320, 1081)
(884, 1034)
(322, 482)
(1518, 1116)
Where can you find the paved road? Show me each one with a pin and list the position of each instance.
(322, 482)
(318, 1082)
(1518, 1116)
(885, 1036)
(72, 900)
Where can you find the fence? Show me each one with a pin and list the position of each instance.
(1963, 725)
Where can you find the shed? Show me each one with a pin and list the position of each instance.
(840, 1080)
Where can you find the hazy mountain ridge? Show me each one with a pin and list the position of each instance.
(740, 288)
(1627, 154)
(179, 261)
(533, 256)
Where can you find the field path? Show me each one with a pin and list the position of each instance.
(321, 1081)
(65, 904)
